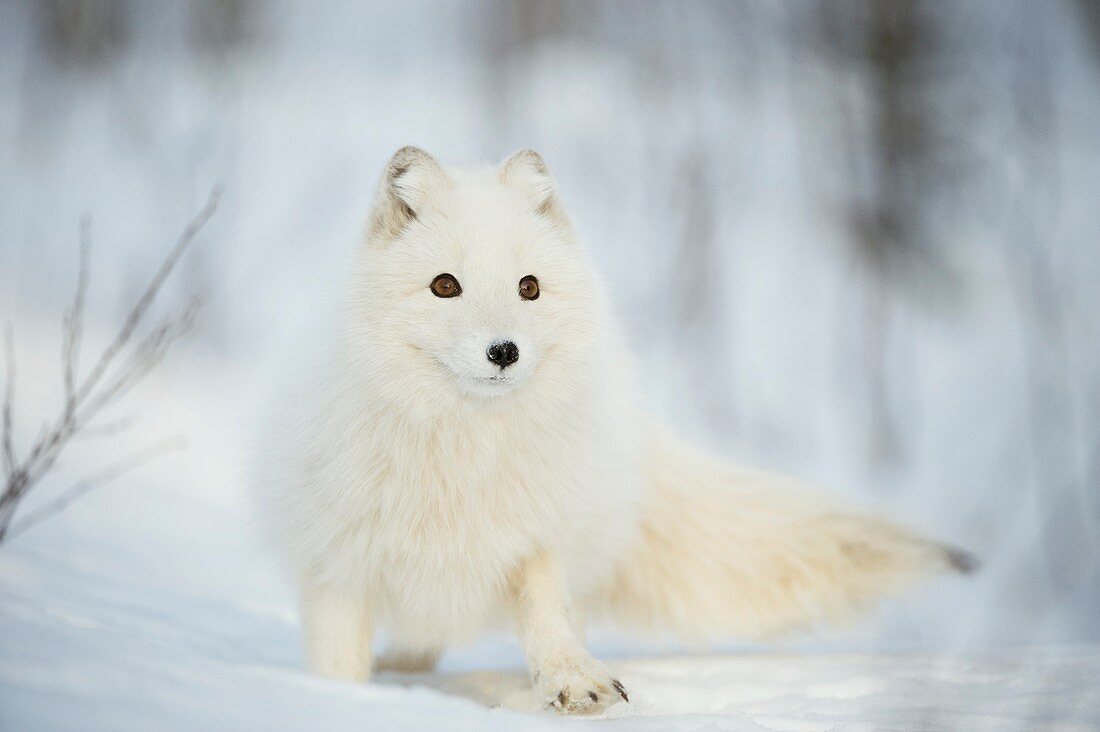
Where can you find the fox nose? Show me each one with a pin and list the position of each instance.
(502, 353)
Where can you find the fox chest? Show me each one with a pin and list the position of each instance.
(444, 517)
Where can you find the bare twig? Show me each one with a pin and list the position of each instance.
(137, 313)
(97, 480)
(84, 399)
(73, 324)
(147, 354)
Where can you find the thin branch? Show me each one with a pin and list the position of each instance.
(83, 403)
(147, 354)
(142, 305)
(9, 396)
(97, 480)
(73, 324)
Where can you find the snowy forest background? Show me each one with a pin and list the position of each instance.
(879, 222)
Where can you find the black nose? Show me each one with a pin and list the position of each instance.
(502, 353)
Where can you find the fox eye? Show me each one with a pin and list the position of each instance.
(529, 288)
(445, 285)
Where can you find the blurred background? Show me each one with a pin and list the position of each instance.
(856, 241)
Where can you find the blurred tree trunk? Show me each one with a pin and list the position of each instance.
(1090, 14)
(888, 47)
(220, 26)
(82, 34)
(884, 228)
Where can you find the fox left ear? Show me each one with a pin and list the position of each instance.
(527, 171)
(412, 179)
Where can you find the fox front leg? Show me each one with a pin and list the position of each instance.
(337, 631)
(565, 675)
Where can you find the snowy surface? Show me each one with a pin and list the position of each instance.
(86, 647)
(174, 618)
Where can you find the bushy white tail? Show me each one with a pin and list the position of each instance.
(730, 552)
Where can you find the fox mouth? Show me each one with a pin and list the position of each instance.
(487, 385)
(494, 384)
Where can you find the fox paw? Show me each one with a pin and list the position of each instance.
(578, 686)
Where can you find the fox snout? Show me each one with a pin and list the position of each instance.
(502, 353)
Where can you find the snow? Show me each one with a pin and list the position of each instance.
(177, 619)
(90, 648)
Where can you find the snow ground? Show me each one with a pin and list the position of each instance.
(151, 605)
(86, 647)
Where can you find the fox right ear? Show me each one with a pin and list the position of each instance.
(412, 177)
(526, 171)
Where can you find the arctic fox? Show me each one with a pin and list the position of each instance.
(471, 452)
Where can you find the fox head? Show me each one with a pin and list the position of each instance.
(472, 284)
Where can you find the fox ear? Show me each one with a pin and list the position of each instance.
(527, 171)
(412, 177)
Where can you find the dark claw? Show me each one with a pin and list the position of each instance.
(619, 688)
(592, 696)
(562, 698)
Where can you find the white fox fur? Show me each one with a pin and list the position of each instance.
(418, 487)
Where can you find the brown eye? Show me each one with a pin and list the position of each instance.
(529, 288)
(445, 285)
